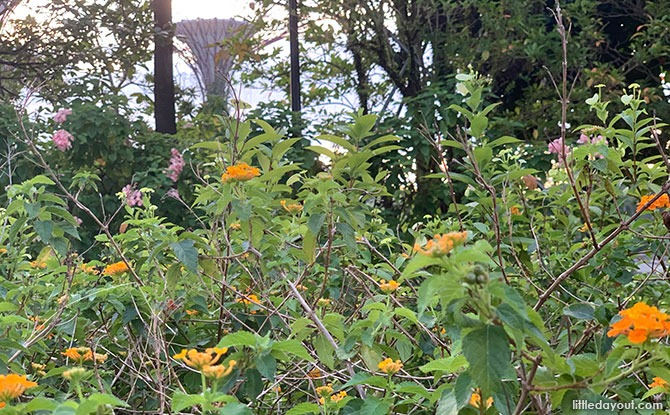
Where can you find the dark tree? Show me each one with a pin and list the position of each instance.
(164, 106)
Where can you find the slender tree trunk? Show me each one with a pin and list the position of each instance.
(164, 104)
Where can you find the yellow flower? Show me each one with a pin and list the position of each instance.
(12, 386)
(514, 210)
(388, 287)
(250, 299)
(293, 208)
(476, 400)
(198, 360)
(236, 226)
(641, 322)
(659, 382)
(82, 354)
(338, 396)
(390, 367)
(323, 302)
(192, 312)
(40, 265)
(116, 268)
(240, 172)
(219, 371)
(441, 245)
(89, 269)
(324, 390)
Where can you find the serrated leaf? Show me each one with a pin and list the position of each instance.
(239, 338)
(580, 311)
(182, 401)
(304, 408)
(186, 253)
(293, 347)
(488, 353)
(449, 364)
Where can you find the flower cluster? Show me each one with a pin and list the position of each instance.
(176, 165)
(12, 386)
(476, 400)
(240, 172)
(388, 287)
(292, 208)
(659, 382)
(327, 392)
(62, 140)
(116, 268)
(133, 196)
(441, 245)
(84, 354)
(641, 322)
(206, 362)
(61, 115)
(558, 146)
(248, 299)
(390, 367)
(662, 202)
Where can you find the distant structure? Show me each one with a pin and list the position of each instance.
(209, 62)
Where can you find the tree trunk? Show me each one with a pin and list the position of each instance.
(164, 100)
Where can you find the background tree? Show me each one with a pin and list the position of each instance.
(400, 57)
(164, 96)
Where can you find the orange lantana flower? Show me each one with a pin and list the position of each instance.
(640, 323)
(116, 268)
(12, 386)
(659, 382)
(441, 245)
(661, 202)
(240, 172)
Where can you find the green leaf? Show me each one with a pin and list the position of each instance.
(235, 408)
(323, 151)
(186, 253)
(478, 125)
(342, 142)
(315, 222)
(487, 350)
(239, 338)
(293, 347)
(447, 405)
(40, 404)
(44, 228)
(266, 365)
(92, 403)
(7, 306)
(503, 140)
(304, 408)
(449, 364)
(580, 311)
(182, 401)
(374, 406)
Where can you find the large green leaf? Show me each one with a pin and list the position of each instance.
(488, 353)
(186, 253)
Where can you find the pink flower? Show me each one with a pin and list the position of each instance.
(176, 165)
(62, 139)
(584, 139)
(599, 140)
(133, 197)
(62, 114)
(557, 146)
